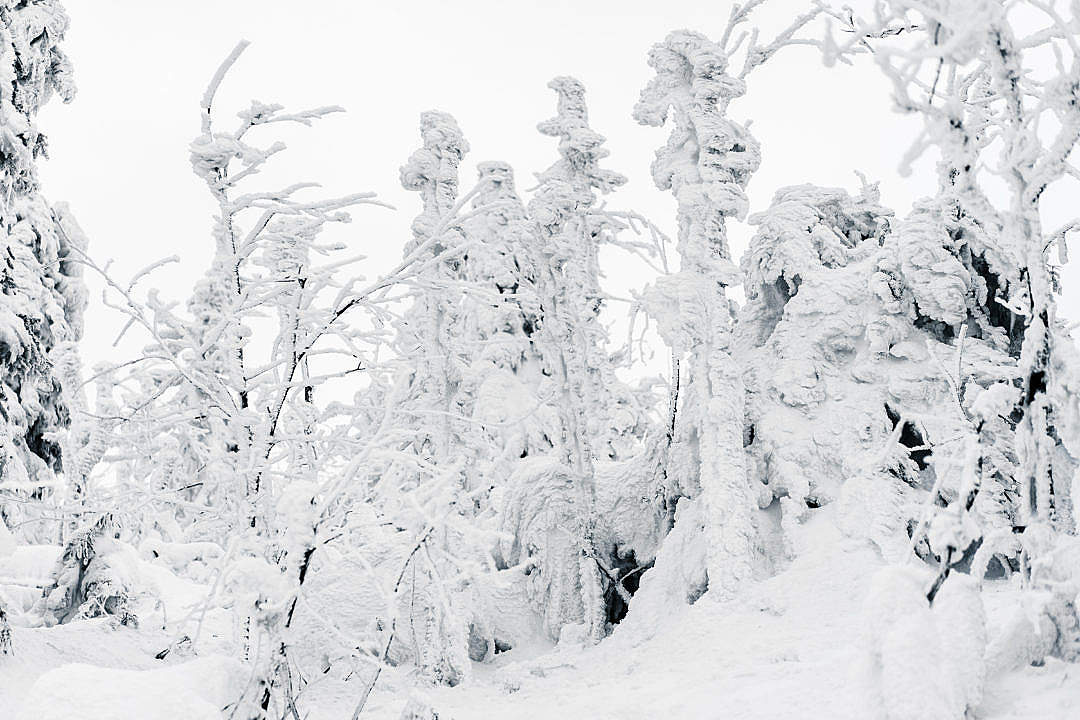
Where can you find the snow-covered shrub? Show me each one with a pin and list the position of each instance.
(842, 388)
(1046, 622)
(503, 617)
(430, 628)
(7, 547)
(860, 365)
(678, 577)
(5, 633)
(92, 578)
(544, 519)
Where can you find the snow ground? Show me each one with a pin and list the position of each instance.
(786, 650)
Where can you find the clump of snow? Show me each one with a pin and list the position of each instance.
(922, 661)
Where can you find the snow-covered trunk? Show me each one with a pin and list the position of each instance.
(211, 158)
(1022, 232)
(212, 154)
(706, 164)
(724, 484)
(561, 334)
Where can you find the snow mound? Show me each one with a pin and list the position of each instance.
(918, 660)
(196, 690)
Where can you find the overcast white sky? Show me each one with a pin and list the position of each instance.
(119, 151)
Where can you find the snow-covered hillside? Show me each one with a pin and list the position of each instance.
(445, 490)
(793, 646)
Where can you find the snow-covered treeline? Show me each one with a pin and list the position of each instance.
(442, 489)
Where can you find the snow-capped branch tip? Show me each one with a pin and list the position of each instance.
(571, 106)
(686, 57)
(215, 82)
(440, 131)
(432, 170)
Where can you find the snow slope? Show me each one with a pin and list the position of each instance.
(100, 669)
(786, 648)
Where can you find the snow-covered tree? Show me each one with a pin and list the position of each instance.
(578, 260)
(43, 294)
(706, 165)
(224, 398)
(972, 266)
(568, 230)
(425, 332)
(505, 376)
(986, 98)
(85, 583)
(818, 408)
(430, 409)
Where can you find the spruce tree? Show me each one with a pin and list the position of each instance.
(43, 296)
(706, 165)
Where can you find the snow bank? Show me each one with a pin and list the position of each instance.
(22, 573)
(196, 690)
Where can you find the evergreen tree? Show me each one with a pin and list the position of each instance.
(568, 232)
(706, 165)
(43, 295)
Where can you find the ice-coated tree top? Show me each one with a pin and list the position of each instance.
(580, 146)
(692, 79)
(432, 170)
(708, 159)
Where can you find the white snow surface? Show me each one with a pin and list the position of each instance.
(790, 646)
(195, 690)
